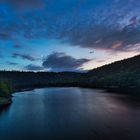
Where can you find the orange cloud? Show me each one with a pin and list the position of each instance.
(117, 45)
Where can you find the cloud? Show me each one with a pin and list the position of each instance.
(12, 63)
(25, 4)
(111, 28)
(59, 62)
(100, 61)
(32, 67)
(17, 46)
(109, 25)
(5, 36)
(105, 34)
(24, 56)
(63, 62)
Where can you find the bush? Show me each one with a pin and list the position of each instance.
(5, 89)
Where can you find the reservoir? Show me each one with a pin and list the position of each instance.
(70, 114)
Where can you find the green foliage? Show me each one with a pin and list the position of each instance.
(5, 89)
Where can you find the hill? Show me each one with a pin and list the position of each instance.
(123, 75)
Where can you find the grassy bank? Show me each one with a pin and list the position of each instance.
(5, 94)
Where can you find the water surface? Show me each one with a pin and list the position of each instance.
(70, 114)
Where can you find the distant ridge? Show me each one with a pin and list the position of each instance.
(124, 74)
(132, 61)
(120, 76)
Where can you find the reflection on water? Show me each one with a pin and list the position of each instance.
(70, 114)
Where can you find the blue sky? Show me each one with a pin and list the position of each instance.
(67, 35)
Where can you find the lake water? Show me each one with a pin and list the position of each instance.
(70, 114)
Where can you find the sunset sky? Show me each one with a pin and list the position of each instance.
(67, 35)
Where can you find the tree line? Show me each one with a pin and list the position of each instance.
(123, 76)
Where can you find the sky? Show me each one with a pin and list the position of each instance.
(67, 35)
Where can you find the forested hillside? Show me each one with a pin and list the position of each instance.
(122, 76)
(20, 80)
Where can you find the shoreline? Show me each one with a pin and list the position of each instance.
(4, 101)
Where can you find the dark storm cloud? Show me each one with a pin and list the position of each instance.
(117, 40)
(32, 67)
(62, 62)
(100, 24)
(111, 27)
(24, 56)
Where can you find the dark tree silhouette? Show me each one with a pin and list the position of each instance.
(121, 76)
